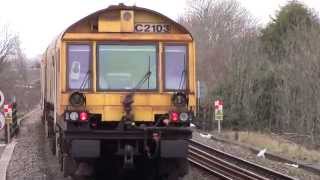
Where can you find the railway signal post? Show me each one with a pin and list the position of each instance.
(218, 113)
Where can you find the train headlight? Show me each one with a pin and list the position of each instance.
(184, 116)
(77, 99)
(74, 116)
(179, 99)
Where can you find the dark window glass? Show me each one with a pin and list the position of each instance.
(79, 66)
(126, 66)
(175, 67)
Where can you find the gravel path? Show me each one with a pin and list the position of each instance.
(32, 159)
(246, 154)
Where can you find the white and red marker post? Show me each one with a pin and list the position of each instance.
(8, 117)
(7, 109)
(218, 113)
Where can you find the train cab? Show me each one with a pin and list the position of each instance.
(118, 88)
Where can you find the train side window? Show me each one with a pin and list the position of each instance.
(175, 59)
(79, 75)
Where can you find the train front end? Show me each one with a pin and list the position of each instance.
(126, 94)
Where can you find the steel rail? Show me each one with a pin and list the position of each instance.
(217, 162)
(221, 166)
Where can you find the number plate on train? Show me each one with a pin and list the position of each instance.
(151, 28)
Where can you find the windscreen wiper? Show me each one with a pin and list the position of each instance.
(84, 82)
(150, 74)
(144, 78)
(183, 74)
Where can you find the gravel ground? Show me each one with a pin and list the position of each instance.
(1, 149)
(196, 174)
(246, 154)
(32, 159)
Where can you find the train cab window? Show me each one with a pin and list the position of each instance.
(175, 67)
(127, 67)
(79, 76)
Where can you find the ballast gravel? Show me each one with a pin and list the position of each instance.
(248, 155)
(32, 159)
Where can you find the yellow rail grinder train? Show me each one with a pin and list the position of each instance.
(118, 95)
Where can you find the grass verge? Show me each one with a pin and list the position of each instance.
(276, 144)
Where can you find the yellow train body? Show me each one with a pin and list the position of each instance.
(121, 25)
(118, 90)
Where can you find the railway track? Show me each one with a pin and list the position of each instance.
(229, 167)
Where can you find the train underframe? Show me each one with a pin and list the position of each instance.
(143, 152)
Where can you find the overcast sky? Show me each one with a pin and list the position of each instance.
(37, 22)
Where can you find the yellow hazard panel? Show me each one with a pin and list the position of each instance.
(143, 114)
(109, 22)
(95, 109)
(95, 99)
(112, 113)
(113, 99)
(160, 100)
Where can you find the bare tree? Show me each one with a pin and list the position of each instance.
(229, 56)
(14, 72)
(8, 46)
(216, 26)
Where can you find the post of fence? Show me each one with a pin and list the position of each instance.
(8, 130)
(9, 118)
(14, 116)
(204, 118)
(211, 119)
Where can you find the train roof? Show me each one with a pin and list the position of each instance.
(95, 16)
